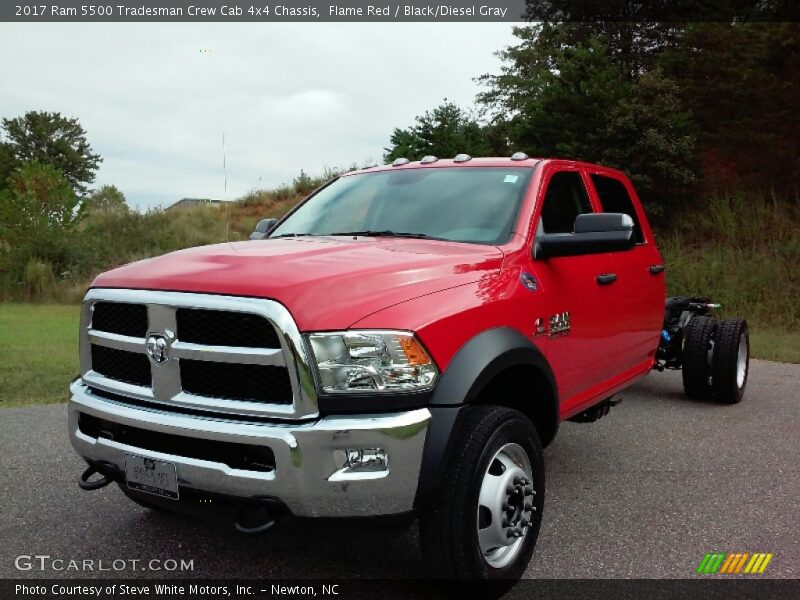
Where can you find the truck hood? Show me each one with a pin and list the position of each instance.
(325, 282)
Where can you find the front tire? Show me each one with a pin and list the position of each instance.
(483, 523)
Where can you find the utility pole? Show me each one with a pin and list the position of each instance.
(225, 188)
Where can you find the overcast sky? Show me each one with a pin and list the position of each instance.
(155, 99)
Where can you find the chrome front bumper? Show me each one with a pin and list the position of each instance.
(310, 476)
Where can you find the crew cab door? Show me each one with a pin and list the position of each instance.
(640, 275)
(578, 306)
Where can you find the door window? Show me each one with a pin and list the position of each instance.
(565, 199)
(614, 198)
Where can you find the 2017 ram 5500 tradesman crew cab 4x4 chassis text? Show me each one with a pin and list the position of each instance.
(405, 341)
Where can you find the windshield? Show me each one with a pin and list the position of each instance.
(461, 204)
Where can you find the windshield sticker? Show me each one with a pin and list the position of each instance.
(511, 179)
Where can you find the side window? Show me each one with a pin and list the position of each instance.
(614, 198)
(565, 199)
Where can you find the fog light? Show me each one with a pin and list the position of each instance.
(360, 463)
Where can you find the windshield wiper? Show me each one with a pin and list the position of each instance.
(283, 235)
(388, 233)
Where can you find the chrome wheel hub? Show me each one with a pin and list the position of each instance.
(505, 505)
(741, 361)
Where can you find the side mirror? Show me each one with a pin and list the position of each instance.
(263, 228)
(593, 233)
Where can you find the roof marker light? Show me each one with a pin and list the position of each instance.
(519, 156)
(400, 161)
(429, 159)
(462, 158)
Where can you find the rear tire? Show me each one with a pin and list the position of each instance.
(697, 338)
(731, 362)
(493, 485)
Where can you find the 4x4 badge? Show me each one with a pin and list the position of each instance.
(538, 326)
(559, 324)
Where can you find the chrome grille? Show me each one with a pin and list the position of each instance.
(128, 367)
(116, 317)
(248, 359)
(219, 328)
(260, 383)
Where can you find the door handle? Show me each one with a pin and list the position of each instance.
(656, 269)
(606, 278)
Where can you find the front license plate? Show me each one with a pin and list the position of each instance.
(151, 476)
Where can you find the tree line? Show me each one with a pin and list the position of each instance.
(46, 169)
(686, 109)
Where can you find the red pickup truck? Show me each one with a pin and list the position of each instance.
(404, 342)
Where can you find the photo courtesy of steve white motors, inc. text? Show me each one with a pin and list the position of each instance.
(193, 590)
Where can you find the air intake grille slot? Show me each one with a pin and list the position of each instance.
(236, 456)
(222, 328)
(121, 318)
(257, 383)
(128, 367)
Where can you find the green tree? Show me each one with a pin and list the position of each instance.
(38, 210)
(108, 200)
(671, 103)
(8, 164)
(585, 100)
(444, 132)
(304, 183)
(48, 138)
(650, 135)
(741, 81)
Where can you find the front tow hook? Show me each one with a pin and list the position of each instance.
(106, 470)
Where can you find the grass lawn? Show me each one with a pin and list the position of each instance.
(39, 351)
(775, 344)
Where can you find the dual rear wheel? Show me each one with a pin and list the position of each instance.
(716, 359)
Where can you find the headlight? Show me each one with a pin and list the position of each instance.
(363, 361)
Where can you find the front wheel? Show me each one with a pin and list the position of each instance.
(483, 523)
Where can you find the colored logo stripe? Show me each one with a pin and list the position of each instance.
(728, 562)
(711, 562)
(758, 563)
(734, 562)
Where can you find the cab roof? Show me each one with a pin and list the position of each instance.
(486, 161)
(494, 161)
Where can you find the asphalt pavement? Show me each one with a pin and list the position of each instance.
(643, 493)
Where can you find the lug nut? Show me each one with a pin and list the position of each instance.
(510, 489)
(528, 506)
(529, 491)
(524, 522)
(506, 506)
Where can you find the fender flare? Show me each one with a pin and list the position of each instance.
(471, 369)
(481, 358)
